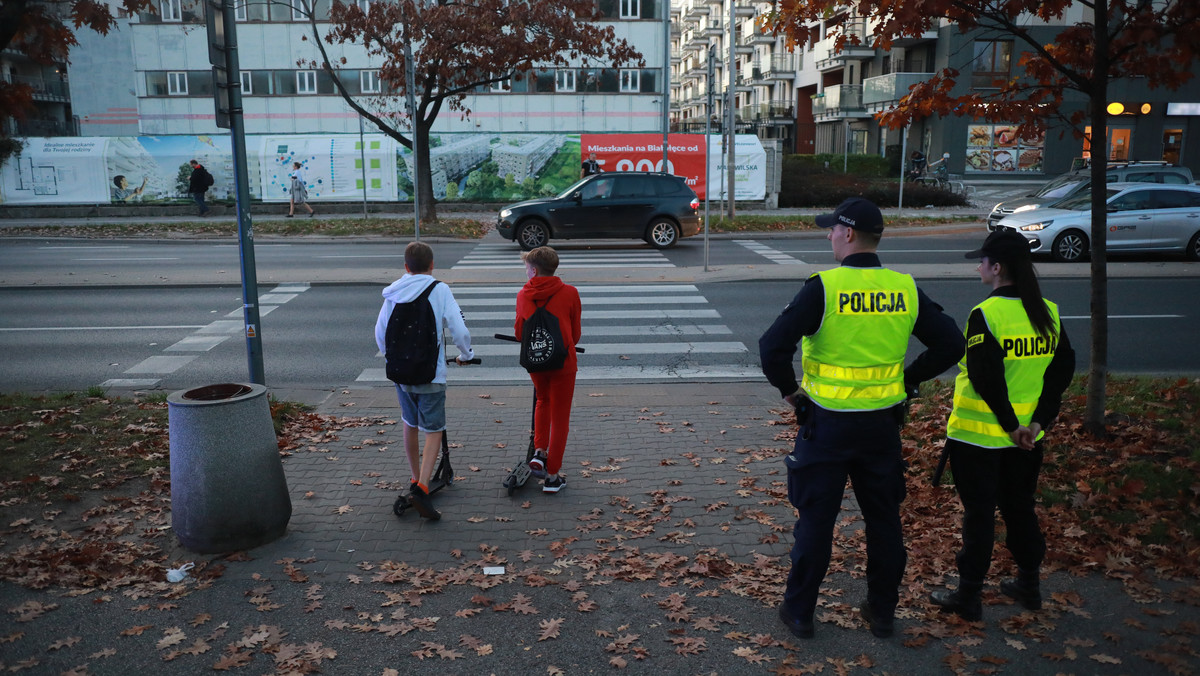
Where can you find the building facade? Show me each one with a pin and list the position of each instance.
(155, 78)
(819, 99)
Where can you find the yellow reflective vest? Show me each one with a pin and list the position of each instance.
(1027, 355)
(855, 361)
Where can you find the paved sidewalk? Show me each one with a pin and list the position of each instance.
(665, 554)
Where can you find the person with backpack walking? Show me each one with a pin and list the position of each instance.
(198, 184)
(546, 306)
(298, 191)
(1017, 366)
(408, 332)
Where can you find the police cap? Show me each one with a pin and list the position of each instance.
(1003, 246)
(857, 213)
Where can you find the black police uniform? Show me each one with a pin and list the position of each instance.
(861, 445)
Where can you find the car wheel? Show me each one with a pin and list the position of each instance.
(532, 234)
(1193, 248)
(1069, 247)
(662, 234)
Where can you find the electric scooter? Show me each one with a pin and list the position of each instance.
(521, 473)
(443, 474)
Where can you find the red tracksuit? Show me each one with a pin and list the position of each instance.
(555, 389)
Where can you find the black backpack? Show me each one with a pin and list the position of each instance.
(412, 341)
(542, 346)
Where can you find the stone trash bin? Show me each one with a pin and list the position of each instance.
(228, 491)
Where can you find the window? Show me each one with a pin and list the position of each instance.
(369, 81)
(299, 10)
(1176, 199)
(239, 10)
(364, 5)
(1132, 201)
(500, 87)
(247, 83)
(306, 82)
(565, 81)
(630, 80)
(992, 63)
(172, 10)
(630, 9)
(177, 84)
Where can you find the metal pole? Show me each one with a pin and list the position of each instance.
(666, 84)
(731, 157)
(903, 159)
(708, 117)
(362, 158)
(846, 147)
(237, 135)
(410, 79)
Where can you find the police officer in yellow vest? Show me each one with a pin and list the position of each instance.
(1018, 364)
(853, 323)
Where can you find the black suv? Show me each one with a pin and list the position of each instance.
(659, 208)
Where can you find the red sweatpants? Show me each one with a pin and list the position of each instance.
(552, 417)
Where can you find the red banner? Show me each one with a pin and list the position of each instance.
(643, 152)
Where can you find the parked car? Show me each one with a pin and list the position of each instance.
(1072, 183)
(1141, 217)
(659, 208)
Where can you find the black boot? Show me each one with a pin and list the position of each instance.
(1025, 589)
(964, 602)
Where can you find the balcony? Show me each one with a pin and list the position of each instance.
(784, 66)
(743, 84)
(743, 49)
(882, 92)
(744, 10)
(697, 11)
(760, 38)
(31, 127)
(713, 28)
(827, 57)
(43, 89)
(774, 112)
(841, 102)
(907, 41)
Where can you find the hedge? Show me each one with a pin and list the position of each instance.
(806, 182)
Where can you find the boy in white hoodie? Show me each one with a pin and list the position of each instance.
(423, 407)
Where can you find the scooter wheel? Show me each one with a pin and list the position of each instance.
(400, 505)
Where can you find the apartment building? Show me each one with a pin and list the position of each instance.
(818, 99)
(51, 114)
(152, 77)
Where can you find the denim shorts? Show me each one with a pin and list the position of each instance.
(425, 411)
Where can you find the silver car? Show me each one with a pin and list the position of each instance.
(1141, 217)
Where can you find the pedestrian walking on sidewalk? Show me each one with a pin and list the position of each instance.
(298, 191)
(423, 405)
(1017, 366)
(554, 389)
(853, 325)
(198, 184)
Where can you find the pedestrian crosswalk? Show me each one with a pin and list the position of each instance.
(507, 256)
(636, 333)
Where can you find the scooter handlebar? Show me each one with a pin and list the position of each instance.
(514, 339)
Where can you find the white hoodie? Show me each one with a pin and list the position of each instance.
(445, 310)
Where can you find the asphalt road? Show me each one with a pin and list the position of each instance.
(320, 337)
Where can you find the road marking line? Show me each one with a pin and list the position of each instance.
(602, 300)
(223, 326)
(1125, 316)
(609, 314)
(196, 344)
(130, 382)
(160, 364)
(275, 298)
(768, 252)
(590, 373)
(103, 328)
(513, 350)
(127, 259)
(585, 290)
(263, 311)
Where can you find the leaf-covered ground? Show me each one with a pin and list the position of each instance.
(85, 515)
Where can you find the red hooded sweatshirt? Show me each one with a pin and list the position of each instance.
(563, 304)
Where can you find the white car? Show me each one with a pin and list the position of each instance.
(1141, 217)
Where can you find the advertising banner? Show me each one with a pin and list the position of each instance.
(56, 171)
(333, 166)
(158, 169)
(643, 152)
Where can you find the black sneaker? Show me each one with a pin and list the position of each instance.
(799, 628)
(420, 500)
(554, 485)
(880, 627)
(537, 467)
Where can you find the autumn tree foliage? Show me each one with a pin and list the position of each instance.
(457, 47)
(44, 31)
(1070, 52)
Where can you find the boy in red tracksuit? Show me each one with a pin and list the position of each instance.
(554, 389)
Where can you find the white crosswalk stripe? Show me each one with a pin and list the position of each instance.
(624, 339)
(501, 256)
(769, 253)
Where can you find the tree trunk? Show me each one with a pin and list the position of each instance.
(424, 178)
(1093, 421)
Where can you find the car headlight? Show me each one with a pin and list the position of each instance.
(505, 213)
(1034, 227)
(1027, 207)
